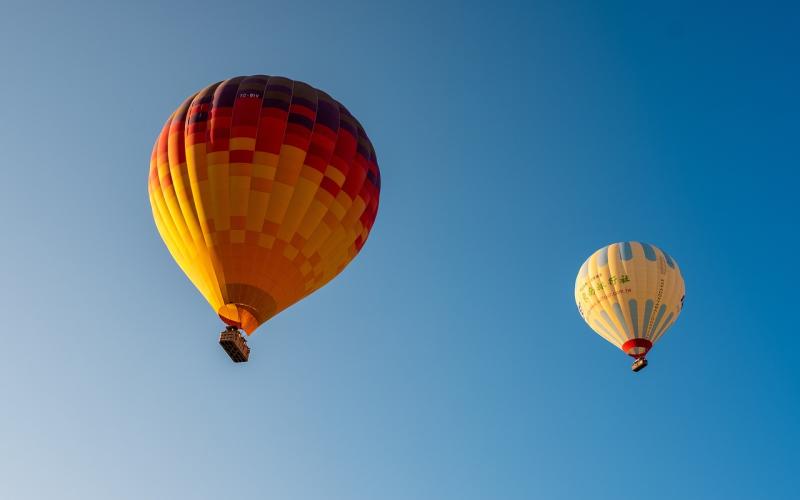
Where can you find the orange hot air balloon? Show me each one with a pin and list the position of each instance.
(263, 189)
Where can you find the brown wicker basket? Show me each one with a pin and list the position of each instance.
(235, 345)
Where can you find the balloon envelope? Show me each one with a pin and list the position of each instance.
(630, 293)
(263, 190)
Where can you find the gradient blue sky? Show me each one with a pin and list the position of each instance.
(449, 360)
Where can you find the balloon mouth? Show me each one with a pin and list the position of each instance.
(239, 316)
(637, 348)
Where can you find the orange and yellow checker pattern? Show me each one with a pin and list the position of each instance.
(630, 293)
(263, 189)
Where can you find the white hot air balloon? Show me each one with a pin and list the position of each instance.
(630, 293)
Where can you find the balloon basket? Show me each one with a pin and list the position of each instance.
(639, 364)
(234, 343)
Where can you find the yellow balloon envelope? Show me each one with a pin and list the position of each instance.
(630, 293)
(263, 189)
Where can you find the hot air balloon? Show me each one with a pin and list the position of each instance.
(630, 293)
(263, 190)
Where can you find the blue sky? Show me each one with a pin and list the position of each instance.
(449, 360)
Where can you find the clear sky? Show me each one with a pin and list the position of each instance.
(449, 360)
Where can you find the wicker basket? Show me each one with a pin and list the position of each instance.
(235, 345)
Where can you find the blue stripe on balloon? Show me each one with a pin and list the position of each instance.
(621, 318)
(625, 251)
(611, 323)
(634, 316)
(669, 259)
(649, 253)
(648, 310)
(604, 329)
(658, 319)
(584, 273)
(664, 326)
(602, 258)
